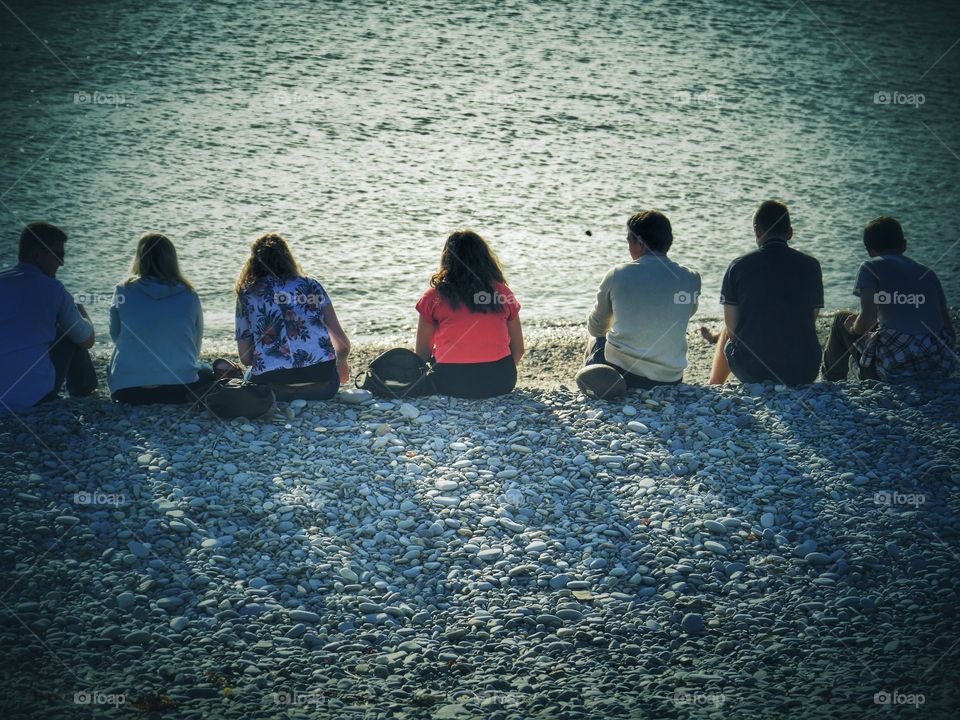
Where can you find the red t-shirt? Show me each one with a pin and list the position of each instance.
(462, 336)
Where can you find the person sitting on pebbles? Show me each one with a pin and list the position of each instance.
(469, 322)
(915, 336)
(638, 326)
(771, 298)
(46, 333)
(156, 323)
(288, 334)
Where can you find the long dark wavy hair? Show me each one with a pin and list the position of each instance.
(468, 269)
(270, 257)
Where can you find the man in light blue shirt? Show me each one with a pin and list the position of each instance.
(46, 334)
(638, 325)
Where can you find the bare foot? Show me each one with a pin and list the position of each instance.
(708, 335)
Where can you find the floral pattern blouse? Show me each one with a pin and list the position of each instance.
(284, 321)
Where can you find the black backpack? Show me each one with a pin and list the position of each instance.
(397, 373)
(230, 398)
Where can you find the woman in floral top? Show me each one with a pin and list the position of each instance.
(288, 334)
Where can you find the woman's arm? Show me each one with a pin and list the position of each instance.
(341, 343)
(115, 315)
(245, 351)
(425, 330)
(198, 323)
(516, 338)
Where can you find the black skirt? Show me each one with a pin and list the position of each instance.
(475, 380)
(324, 372)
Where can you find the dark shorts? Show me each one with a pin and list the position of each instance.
(749, 369)
(475, 380)
(324, 372)
(166, 394)
(596, 357)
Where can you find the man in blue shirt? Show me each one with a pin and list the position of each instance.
(46, 334)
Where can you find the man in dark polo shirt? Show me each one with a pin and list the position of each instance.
(771, 298)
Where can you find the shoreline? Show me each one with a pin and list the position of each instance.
(553, 356)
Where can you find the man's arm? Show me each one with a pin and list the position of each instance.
(92, 338)
(73, 321)
(731, 314)
(945, 312)
(598, 323)
(867, 319)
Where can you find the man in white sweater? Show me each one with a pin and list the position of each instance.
(639, 323)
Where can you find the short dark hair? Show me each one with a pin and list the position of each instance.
(653, 229)
(884, 235)
(37, 237)
(772, 218)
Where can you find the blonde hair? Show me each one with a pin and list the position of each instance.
(270, 256)
(156, 258)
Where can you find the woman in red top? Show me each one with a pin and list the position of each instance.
(470, 322)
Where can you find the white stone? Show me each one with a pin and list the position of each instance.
(355, 397)
(715, 547)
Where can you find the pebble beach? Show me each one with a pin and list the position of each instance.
(718, 552)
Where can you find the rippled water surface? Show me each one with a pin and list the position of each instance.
(365, 132)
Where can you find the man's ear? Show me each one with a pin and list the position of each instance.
(790, 234)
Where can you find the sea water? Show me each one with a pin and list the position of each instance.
(365, 132)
